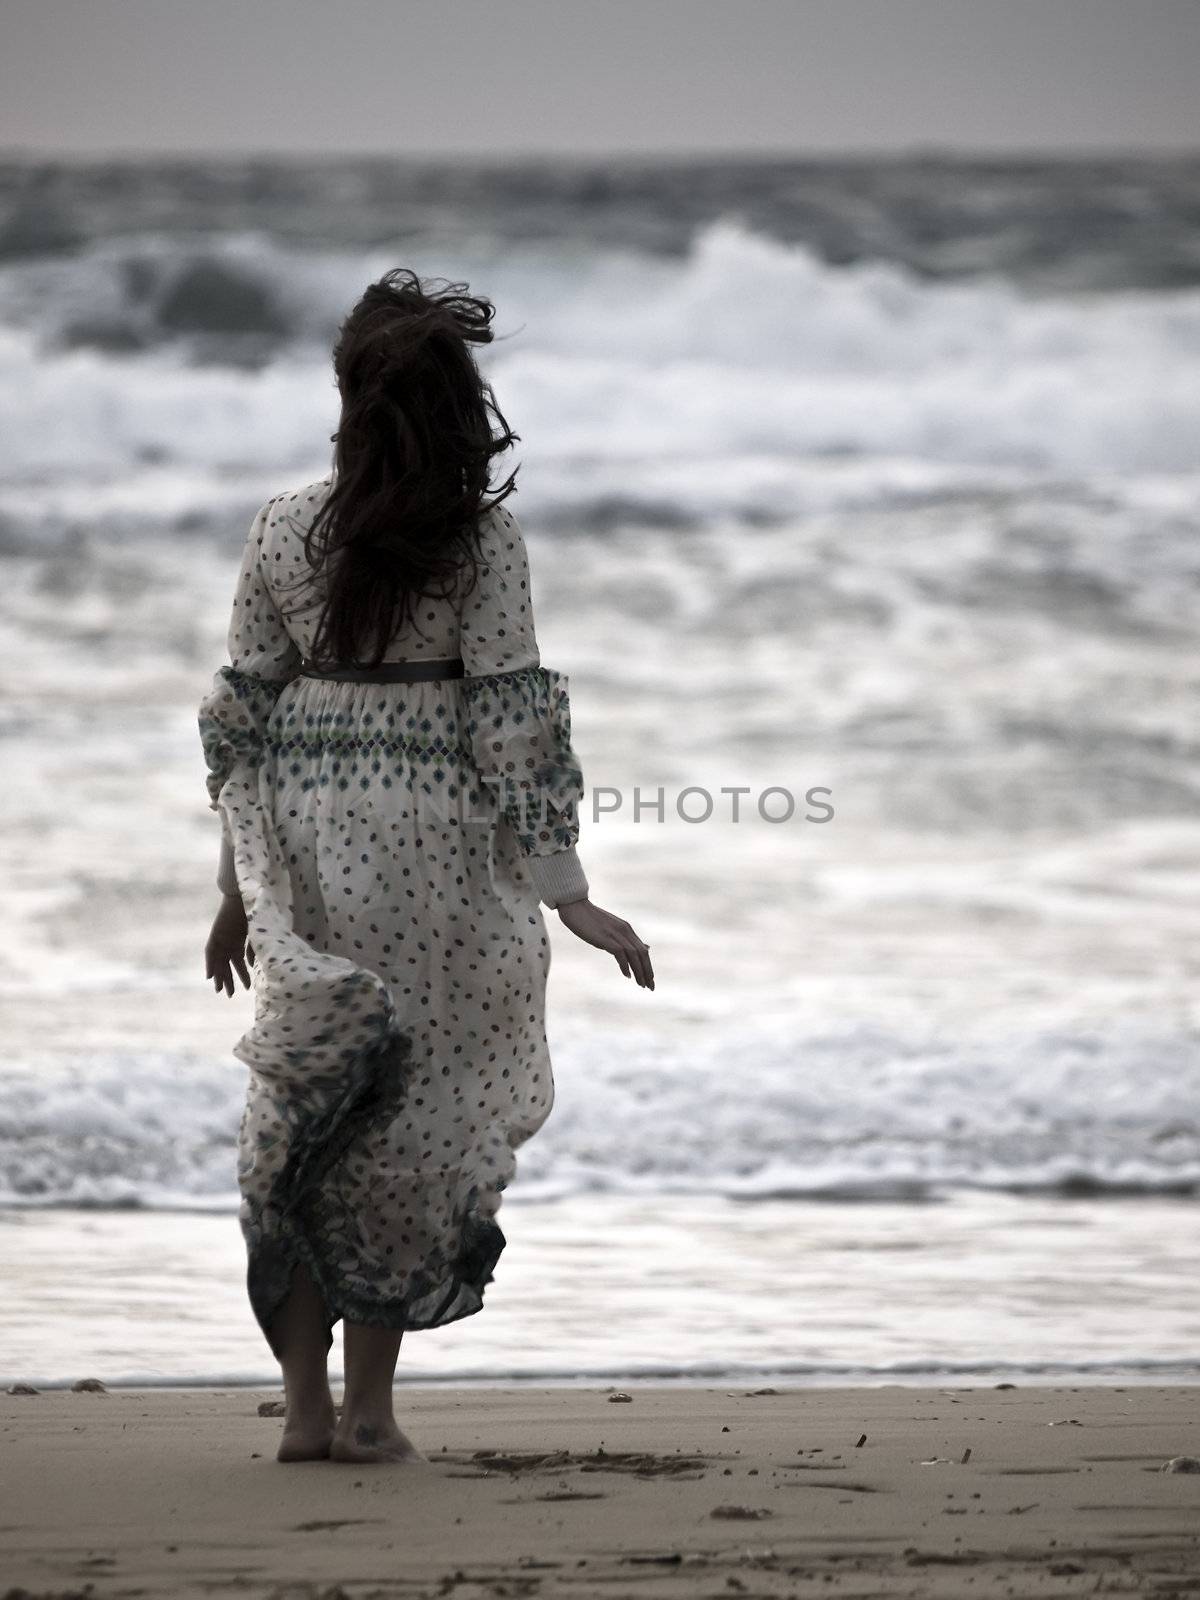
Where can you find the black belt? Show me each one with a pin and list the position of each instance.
(389, 671)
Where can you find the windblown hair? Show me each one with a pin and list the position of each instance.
(412, 464)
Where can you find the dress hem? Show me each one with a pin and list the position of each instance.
(375, 1093)
(482, 1244)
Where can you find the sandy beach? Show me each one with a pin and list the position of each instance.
(574, 1491)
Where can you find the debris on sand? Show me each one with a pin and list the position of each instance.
(88, 1386)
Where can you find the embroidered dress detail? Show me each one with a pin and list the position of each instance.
(388, 838)
(519, 730)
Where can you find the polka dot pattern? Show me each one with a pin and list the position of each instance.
(381, 832)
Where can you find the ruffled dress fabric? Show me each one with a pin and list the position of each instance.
(381, 834)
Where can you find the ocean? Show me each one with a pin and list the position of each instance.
(861, 498)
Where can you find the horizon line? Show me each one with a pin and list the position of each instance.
(917, 150)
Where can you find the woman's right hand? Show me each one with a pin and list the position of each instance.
(227, 950)
(596, 926)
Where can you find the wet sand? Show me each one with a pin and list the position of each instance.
(573, 1491)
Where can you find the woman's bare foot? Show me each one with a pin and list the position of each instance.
(367, 1440)
(307, 1436)
(301, 1340)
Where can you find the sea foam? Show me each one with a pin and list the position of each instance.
(689, 386)
(856, 1113)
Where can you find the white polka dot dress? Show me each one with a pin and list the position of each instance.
(389, 841)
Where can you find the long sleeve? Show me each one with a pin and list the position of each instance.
(263, 659)
(520, 716)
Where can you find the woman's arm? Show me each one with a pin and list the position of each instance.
(226, 872)
(520, 715)
(263, 659)
(521, 728)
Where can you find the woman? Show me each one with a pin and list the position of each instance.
(394, 773)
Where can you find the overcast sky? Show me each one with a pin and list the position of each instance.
(598, 76)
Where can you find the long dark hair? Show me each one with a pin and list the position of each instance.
(412, 463)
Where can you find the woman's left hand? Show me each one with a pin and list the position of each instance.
(227, 950)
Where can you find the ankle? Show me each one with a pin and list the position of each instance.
(310, 1398)
(372, 1410)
